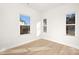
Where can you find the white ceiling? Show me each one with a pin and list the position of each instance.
(43, 6)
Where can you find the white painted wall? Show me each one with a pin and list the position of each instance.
(10, 27)
(56, 18)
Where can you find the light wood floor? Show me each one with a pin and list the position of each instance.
(41, 47)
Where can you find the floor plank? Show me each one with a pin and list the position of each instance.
(41, 47)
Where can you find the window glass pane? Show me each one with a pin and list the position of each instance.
(70, 30)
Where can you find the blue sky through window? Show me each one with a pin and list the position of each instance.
(25, 19)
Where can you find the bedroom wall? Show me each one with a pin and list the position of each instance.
(10, 27)
(56, 18)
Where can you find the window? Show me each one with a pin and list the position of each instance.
(70, 24)
(44, 25)
(25, 24)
